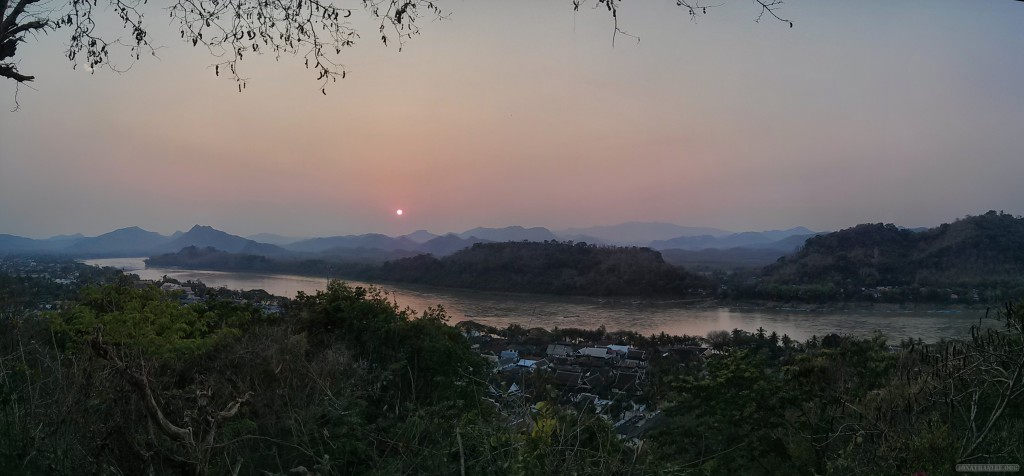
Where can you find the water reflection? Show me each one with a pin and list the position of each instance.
(644, 316)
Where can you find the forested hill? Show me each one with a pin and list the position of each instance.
(550, 267)
(193, 257)
(982, 251)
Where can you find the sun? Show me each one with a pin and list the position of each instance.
(399, 212)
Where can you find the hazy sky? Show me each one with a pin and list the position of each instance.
(524, 113)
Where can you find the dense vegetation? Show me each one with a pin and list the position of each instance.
(193, 257)
(550, 267)
(975, 259)
(125, 379)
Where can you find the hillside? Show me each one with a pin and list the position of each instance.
(194, 257)
(420, 236)
(125, 241)
(722, 260)
(330, 244)
(205, 236)
(636, 232)
(211, 258)
(982, 252)
(785, 240)
(509, 233)
(550, 268)
(19, 244)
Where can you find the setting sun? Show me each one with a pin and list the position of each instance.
(398, 212)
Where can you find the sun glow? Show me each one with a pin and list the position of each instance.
(398, 212)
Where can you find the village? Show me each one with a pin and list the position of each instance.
(610, 374)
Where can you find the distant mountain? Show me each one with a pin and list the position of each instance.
(703, 242)
(274, 239)
(20, 244)
(205, 236)
(776, 235)
(977, 251)
(748, 239)
(66, 238)
(420, 236)
(123, 242)
(510, 233)
(640, 233)
(369, 240)
(788, 244)
(448, 244)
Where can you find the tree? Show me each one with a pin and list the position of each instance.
(980, 383)
(317, 30)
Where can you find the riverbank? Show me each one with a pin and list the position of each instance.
(698, 302)
(644, 315)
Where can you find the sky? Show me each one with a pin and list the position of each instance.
(525, 113)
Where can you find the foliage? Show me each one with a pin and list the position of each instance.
(550, 267)
(975, 259)
(850, 406)
(211, 258)
(150, 321)
(230, 30)
(424, 360)
(345, 382)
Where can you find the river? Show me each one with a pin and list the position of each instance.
(644, 316)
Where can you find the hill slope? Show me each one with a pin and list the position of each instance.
(638, 232)
(509, 233)
(125, 241)
(368, 240)
(205, 236)
(550, 268)
(980, 251)
(786, 240)
(447, 244)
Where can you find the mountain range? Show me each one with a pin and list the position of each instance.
(135, 241)
(636, 233)
(786, 240)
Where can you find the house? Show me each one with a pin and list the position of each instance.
(171, 287)
(560, 350)
(593, 362)
(598, 380)
(634, 428)
(600, 352)
(505, 363)
(568, 379)
(631, 365)
(636, 354)
(582, 400)
(527, 364)
(619, 349)
(626, 382)
(509, 354)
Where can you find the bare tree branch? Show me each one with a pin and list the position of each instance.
(318, 31)
(141, 384)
